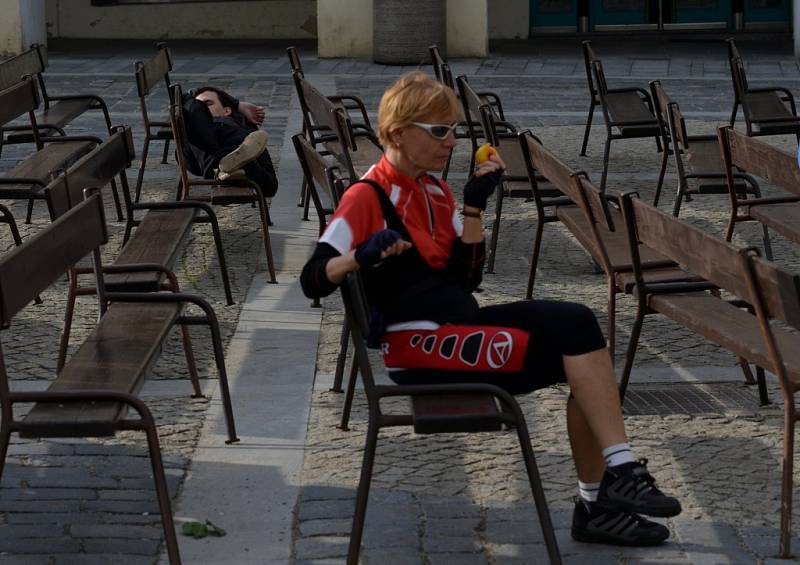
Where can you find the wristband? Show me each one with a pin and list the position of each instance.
(467, 214)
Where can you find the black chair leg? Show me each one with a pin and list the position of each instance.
(606, 153)
(633, 344)
(166, 152)
(587, 130)
(732, 119)
(538, 492)
(537, 244)
(662, 173)
(341, 360)
(763, 395)
(495, 228)
(344, 424)
(362, 494)
(767, 242)
(117, 204)
(142, 164)
(190, 362)
(162, 492)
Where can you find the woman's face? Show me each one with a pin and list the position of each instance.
(420, 150)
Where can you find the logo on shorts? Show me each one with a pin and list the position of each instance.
(499, 350)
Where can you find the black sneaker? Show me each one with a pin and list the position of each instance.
(631, 488)
(593, 524)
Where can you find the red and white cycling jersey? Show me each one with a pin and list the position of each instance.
(426, 208)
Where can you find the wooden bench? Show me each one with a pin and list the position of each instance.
(158, 236)
(58, 111)
(148, 76)
(92, 393)
(780, 213)
(594, 221)
(27, 178)
(766, 289)
(218, 192)
(435, 408)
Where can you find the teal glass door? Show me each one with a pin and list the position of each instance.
(612, 13)
(554, 15)
(683, 12)
(767, 12)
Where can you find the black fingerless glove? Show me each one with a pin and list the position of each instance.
(369, 252)
(478, 189)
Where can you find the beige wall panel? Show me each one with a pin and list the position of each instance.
(272, 19)
(509, 19)
(467, 28)
(345, 28)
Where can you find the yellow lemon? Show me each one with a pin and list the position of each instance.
(484, 152)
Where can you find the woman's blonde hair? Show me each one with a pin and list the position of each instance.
(414, 97)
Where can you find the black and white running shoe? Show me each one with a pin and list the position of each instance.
(593, 524)
(631, 488)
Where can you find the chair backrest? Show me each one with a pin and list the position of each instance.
(695, 250)
(739, 77)
(669, 116)
(42, 259)
(600, 84)
(471, 103)
(17, 100)
(96, 169)
(179, 134)
(588, 56)
(29, 63)
(733, 54)
(575, 185)
(758, 158)
(438, 62)
(355, 307)
(294, 60)
(318, 110)
(320, 178)
(149, 75)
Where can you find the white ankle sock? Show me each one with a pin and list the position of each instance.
(618, 454)
(588, 491)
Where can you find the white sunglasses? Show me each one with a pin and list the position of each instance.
(437, 131)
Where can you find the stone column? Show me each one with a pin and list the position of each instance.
(796, 27)
(22, 23)
(344, 28)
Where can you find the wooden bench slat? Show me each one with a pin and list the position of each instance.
(115, 357)
(733, 328)
(615, 242)
(455, 413)
(157, 240)
(51, 156)
(783, 218)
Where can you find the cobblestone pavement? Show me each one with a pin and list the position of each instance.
(455, 499)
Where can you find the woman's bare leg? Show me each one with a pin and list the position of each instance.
(594, 415)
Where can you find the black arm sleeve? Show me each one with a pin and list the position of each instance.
(466, 263)
(313, 279)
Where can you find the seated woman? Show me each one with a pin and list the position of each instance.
(420, 263)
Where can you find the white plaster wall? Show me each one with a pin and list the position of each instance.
(345, 28)
(10, 28)
(267, 19)
(467, 28)
(510, 19)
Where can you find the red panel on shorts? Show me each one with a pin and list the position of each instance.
(456, 348)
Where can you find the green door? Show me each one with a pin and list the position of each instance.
(767, 12)
(553, 15)
(612, 13)
(687, 12)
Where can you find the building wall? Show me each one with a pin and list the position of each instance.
(509, 19)
(10, 28)
(275, 19)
